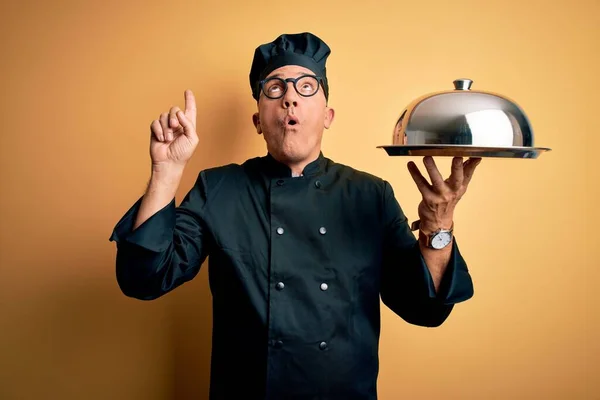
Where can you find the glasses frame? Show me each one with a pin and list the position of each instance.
(285, 85)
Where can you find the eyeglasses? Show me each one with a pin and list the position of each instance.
(305, 86)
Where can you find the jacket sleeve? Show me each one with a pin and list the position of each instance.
(164, 252)
(407, 286)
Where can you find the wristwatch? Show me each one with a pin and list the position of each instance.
(436, 240)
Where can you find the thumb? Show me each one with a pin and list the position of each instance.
(189, 129)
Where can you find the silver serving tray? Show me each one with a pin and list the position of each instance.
(448, 150)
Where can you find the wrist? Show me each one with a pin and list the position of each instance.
(429, 226)
(165, 179)
(166, 172)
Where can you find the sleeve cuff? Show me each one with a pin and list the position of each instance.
(155, 234)
(456, 285)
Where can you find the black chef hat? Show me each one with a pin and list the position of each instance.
(303, 49)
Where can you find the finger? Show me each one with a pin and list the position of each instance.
(434, 173)
(190, 106)
(422, 184)
(469, 169)
(164, 123)
(173, 121)
(188, 128)
(456, 176)
(157, 131)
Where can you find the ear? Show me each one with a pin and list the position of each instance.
(329, 115)
(256, 122)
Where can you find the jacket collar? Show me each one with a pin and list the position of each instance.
(276, 169)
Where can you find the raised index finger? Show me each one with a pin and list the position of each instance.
(190, 106)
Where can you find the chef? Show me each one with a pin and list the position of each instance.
(300, 248)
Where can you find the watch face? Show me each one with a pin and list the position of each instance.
(441, 240)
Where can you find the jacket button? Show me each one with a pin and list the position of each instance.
(280, 182)
(324, 286)
(278, 344)
(318, 184)
(322, 230)
(323, 345)
(279, 286)
(280, 230)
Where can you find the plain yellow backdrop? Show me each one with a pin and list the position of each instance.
(81, 82)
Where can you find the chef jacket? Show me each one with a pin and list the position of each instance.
(297, 267)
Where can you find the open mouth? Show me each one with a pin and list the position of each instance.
(291, 120)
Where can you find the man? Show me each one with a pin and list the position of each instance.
(300, 248)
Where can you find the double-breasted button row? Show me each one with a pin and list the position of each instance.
(280, 286)
(318, 184)
(278, 344)
(281, 231)
(281, 182)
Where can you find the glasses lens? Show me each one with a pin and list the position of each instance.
(307, 85)
(274, 88)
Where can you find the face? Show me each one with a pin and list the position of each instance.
(293, 125)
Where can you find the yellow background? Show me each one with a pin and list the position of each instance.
(81, 82)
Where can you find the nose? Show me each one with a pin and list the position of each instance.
(290, 98)
(288, 104)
